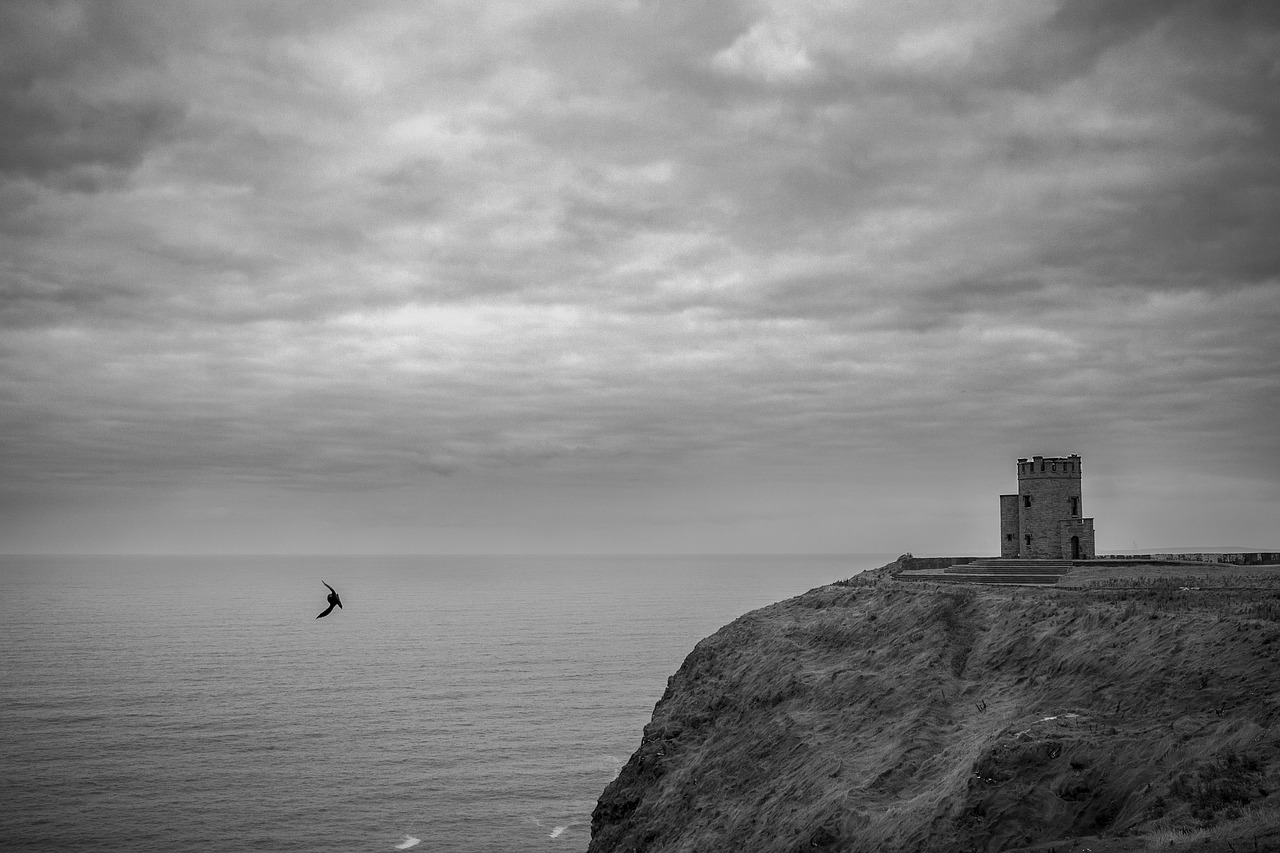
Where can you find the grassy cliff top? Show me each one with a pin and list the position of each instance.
(1120, 713)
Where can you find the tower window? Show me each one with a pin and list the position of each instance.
(1075, 506)
(1026, 500)
(1008, 537)
(1028, 538)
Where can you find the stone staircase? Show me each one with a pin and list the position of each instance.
(994, 570)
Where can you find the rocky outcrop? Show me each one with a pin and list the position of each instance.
(884, 715)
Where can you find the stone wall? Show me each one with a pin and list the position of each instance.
(1081, 529)
(1254, 558)
(1050, 510)
(1048, 493)
(909, 563)
(1009, 525)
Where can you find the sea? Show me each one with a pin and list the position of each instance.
(453, 703)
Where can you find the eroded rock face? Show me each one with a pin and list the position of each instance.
(878, 715)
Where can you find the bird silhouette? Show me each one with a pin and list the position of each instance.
(334, 601)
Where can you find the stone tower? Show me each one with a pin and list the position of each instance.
(1044, 520)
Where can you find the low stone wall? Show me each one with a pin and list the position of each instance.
(909, 563)
(1256, 558)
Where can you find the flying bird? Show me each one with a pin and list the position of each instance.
(334, 601)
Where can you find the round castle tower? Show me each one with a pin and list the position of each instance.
(1044, 520)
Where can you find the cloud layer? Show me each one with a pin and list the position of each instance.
(650, 255)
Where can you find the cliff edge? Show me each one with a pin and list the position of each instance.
(877, 714)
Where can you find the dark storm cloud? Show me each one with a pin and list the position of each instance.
(63, 139)
(1204, 215)
(59, 126)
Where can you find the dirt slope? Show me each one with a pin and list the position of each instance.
(894, 716)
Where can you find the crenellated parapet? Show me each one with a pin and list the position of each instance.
(1037, 467)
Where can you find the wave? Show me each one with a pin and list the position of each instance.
(408, 842)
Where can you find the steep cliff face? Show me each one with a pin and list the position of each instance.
(889, 716)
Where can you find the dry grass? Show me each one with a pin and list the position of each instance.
(1249, 830)
(1204, 575)
(896, 716)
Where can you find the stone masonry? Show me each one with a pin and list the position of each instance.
(1044, 520)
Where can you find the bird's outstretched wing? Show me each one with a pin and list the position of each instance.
(331, 589)
(326, 612)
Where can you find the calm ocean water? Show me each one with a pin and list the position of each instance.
(474, 703)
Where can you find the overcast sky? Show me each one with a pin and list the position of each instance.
(634, 275)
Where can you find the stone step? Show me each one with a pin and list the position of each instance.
(995, 570)
(1018, 561)
(1003, 570)
(1038, 580)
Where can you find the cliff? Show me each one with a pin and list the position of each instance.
(885, 715)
